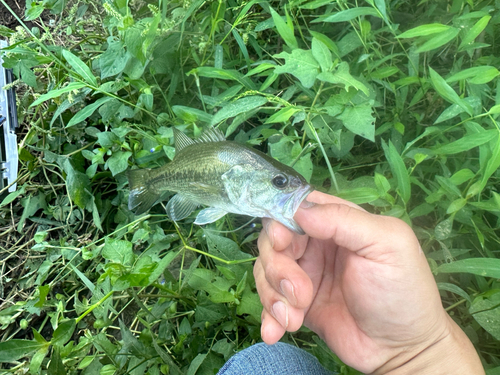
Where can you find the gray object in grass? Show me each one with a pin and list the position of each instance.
(8, 125)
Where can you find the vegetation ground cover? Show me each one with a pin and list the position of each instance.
(393, 105)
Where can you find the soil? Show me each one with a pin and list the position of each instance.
(7, 19)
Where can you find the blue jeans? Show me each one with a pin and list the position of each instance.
(277, 359)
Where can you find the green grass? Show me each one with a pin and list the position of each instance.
(392, 105)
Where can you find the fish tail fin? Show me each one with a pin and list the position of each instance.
(141, 197)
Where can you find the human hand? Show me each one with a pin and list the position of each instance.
(362, 283)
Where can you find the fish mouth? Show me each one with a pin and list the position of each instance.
(291, 205)
(299, 196)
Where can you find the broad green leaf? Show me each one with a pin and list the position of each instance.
(37, 359)
(224, 247)
(87, 111)
(114, 60)
(382, 183)
(487, 267)
(216, 287)
(95, 211)
(283, 115)
(27, 74)
(31, 204)
(189, 115)
(284, 29)
(322, 54)
(342, 76)
(161, 266)
(448, 186)
(452, 111)
(456, 205)
(348, 14)
(424, 30)
(167, 358)
(118, 162)
(380, 4)
(78, 185)
(466, 143)
(359, 195)
(239, 119)
(58, 92)
(250, 304)
(241, 44)
(238, 106)
(326, 41)
(269, 81)
(130, 343)
(446, 92)
(56, 366)
(43, 291)
(438, 40)
(12, 350)
(454, 289)
(315, 4)
(83, 278)
(118, 251)
(196, 363)
(232, 75)
(224, 347)
(486, 310)
(463, 175)
(80, 68)
(133, 39)
(12, 196)
(359, 120)
(476, 75)
(407, 81)
(63, 332)
(260, 68)
(34, 12)
(492, 165)
(301, 64)
(384, 72)
(108, 370)
(494, 110)
(399, 170)
(474, 32)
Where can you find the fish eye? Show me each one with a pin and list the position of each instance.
(280, 181)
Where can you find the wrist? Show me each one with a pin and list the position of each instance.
(450, 353)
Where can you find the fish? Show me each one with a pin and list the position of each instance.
(226, 176)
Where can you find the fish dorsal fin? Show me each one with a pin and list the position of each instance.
(211, 135)
(181, 140)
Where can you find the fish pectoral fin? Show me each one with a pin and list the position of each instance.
(209, 215)
(179, 207)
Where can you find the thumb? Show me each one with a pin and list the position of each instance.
(356, 230)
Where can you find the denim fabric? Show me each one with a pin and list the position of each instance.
(277, 359)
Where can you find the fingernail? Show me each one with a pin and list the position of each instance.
(307, 204)
(270, 234)
(288, 291)
(280, 313)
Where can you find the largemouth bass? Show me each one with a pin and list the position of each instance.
(224, 175)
